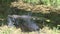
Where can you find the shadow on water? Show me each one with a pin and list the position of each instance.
(4, 7)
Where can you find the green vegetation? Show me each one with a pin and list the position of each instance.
(32, 1)
(44, 2)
